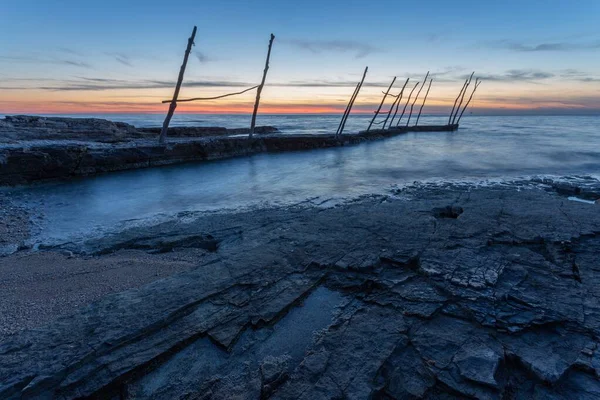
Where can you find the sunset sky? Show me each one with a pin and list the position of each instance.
(124, 56)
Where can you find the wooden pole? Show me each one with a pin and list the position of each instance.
(462, 97)
(381, 104)
(412, 106)
(173, 106)
(260, 87)
(477, 83)
(387, 117)
(351, 104)
(337, 132)
(456, 101)
(407, 102)
(398, 100)
(424, 100)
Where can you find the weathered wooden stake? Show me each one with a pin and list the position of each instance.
(340, 129)
(381, 104)
(477, 83)
(398, 97)
(260, 87)
(407, 102)
(424, 100)
(398, 100)
(337, 132)
(462, 97)
(456, 101)
(412, 106)
(173, 106)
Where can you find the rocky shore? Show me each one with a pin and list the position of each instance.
(441, 292)
(15, 225)
(34, 149)
(18, 129)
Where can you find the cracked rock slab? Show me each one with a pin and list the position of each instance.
(368, 299)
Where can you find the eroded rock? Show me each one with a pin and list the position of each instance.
(365, 300)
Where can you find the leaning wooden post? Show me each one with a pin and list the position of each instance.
(351, 104)
(412, 106)
(173, 106)
(337, 132)
(260, 87)
(387, 117)
(394, 103)
(381, 104)
(424, 100)
(398, 100)
(407, 102)
(462, 97)
(477, 83)
(456, 101)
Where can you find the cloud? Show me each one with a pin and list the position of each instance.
(70, 51)
(329, 83)
(100, 84)
(202, 57)
(359, 49)
(122, 59)
(101, 79)
(449, 74)
(449, 71)
(516, 75)
(74, 63)
(43, 60)
(572, 73)
(543, 47)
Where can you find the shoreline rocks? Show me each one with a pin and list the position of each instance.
(399, 299)
(38, 149)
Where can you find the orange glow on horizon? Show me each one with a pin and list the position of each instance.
(439, 105)
(182, 108)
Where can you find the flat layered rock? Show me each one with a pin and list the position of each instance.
(198, 131)
(19, 128)
(380, 298)
(31, 128)
(34, 149)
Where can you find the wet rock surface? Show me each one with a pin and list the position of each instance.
(34, 149)
(15, 225)
(378, 298)
(23, 128)
(16, 128)
(185, 131)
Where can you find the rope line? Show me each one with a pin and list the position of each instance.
(212, 98)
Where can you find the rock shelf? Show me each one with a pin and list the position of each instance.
(436, 293)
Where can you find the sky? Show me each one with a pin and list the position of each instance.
(533, 57)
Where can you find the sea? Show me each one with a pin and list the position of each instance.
(484, 150)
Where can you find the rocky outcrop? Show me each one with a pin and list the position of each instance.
(34, 162)
(24, 128)
(18, 128)
(34, 149)
(198, 131)
(380, 298)
(14, 225)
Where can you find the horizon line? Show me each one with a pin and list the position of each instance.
(361, 113)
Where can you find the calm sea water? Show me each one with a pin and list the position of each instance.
(484, 148)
